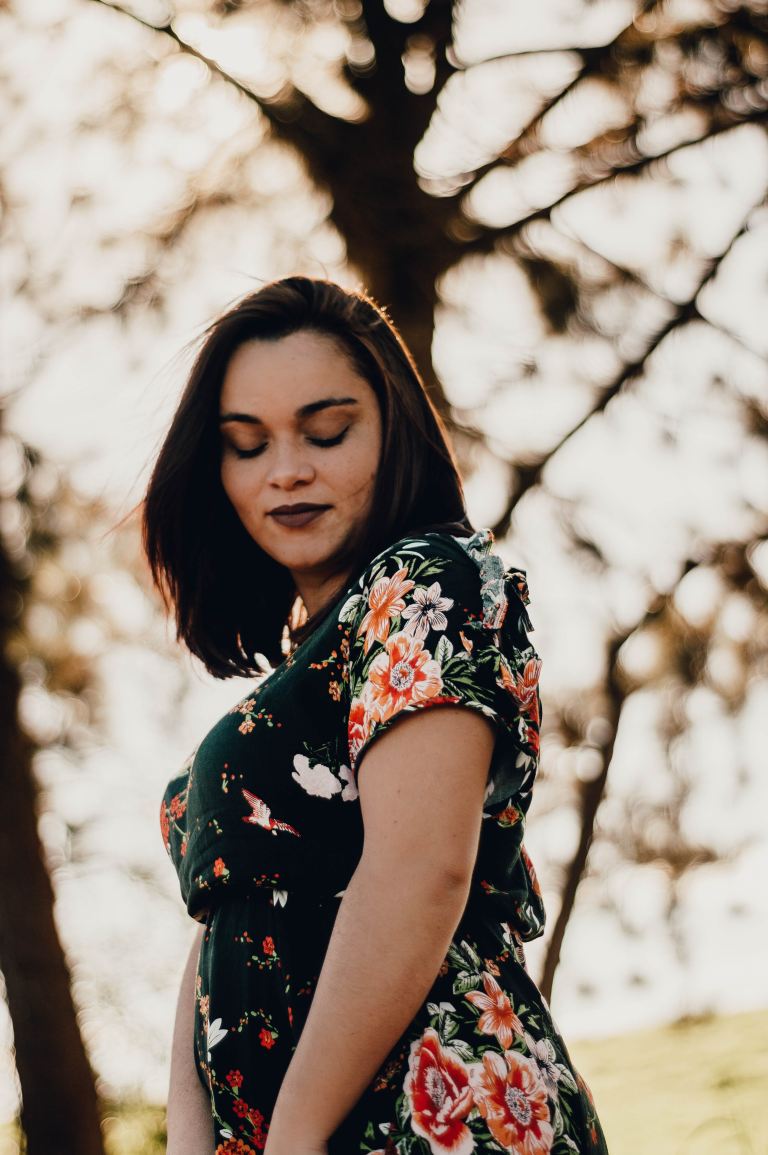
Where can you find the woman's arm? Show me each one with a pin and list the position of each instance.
(422, 787)
(190, 1123)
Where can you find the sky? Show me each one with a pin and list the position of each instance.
(666, 468)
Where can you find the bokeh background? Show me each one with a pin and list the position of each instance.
(563, 208)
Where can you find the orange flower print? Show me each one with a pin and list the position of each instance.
(269, 945)
(359, 727)
(234, 1147)
(512, 1098)
(220, 867)
(386, 601)
(440, 1096)
(497, 1018)
(523, 689)
(404, 674)
(266, 1038)
(334, 689)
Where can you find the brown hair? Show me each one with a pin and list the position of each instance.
(230, 599)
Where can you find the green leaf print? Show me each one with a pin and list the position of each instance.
(464, 982)
(443, 650)
(349, 609)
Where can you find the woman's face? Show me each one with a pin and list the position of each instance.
(300, 447)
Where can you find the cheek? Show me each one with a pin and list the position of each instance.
(358, 476)
(239, 484)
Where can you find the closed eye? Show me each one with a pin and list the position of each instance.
(322, 442)
(326, 442)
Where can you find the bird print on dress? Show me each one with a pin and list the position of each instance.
(262, 815)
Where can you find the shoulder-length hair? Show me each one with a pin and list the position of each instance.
(230, 599)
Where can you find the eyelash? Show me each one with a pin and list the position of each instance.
(322, 442)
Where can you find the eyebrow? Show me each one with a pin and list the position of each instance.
(302, 411)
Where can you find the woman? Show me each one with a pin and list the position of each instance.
(353, 852)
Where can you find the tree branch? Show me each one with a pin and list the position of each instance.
(486, 238)
(530, 475)
(292, 114)
(591, 62)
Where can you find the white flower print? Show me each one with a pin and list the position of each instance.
(426, 611)
(316, 779)
(279, 897)
(215, 1035)
(543, 1051)
(350, 791)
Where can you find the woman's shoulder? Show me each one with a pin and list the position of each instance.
(412, 548)
(469, 564)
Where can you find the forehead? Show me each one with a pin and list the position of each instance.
(274, 378)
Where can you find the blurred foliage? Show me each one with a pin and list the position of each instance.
(571, 196)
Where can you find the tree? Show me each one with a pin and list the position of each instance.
(442, 168)
(662, 85)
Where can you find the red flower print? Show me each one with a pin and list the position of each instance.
(440, 1096)
(235, 1079)
(386, 601)
(266, 1038)
(165, 826)
(268, 945)
(498, 1017)
(219, 867)
(509, 816)
(177, 807)
(241, 1108)
(405, 673)
(531, 871)
(512, 1098)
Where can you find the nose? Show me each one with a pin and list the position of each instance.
(289, 467)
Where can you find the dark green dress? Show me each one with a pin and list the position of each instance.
(264, 828)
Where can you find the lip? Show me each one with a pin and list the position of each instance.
(298, 515)
(298, 507)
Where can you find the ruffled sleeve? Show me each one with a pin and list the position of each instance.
(439, 621)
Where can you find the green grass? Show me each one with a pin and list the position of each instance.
(699, 1087)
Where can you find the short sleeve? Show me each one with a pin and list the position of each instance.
(440, 621)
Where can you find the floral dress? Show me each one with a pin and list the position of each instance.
(264, 828)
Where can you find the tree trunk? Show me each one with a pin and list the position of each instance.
(59, 1113)
(592, 794)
